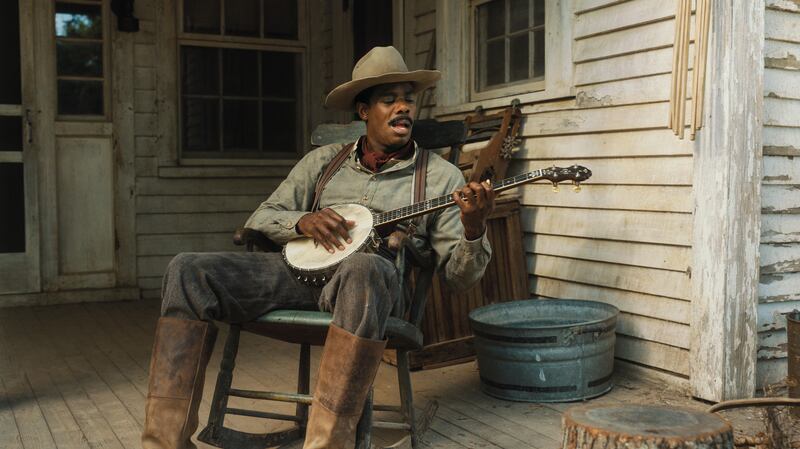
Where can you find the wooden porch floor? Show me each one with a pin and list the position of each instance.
(75, 376)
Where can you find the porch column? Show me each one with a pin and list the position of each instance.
(727, 206)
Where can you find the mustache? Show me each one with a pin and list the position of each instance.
(400, 118)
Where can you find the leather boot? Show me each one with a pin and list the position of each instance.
(348, 367)
(177, 372)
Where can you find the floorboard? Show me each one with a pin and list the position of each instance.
(75, 377)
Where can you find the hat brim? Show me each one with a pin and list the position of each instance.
(343, 96)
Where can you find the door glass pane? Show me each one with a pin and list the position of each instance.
(10, 90)
(200, 124)
(240, 131)
(10, 134)
(242, 18)
(240, 72)
(280, 19)
(518, 64)
(280, 126)
(518, 15)
(79, 59)
(12, 203)
(281, 72)
(201, 16)
(199, 70)
(84, 21)
(80, 97)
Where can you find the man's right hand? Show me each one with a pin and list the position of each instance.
(326, 227)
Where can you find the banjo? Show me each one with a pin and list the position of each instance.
(312, 264)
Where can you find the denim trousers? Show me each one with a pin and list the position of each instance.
(236, 287)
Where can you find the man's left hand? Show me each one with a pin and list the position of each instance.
(476, 201)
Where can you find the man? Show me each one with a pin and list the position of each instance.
(364, 291)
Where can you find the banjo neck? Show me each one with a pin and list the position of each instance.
(575, 173)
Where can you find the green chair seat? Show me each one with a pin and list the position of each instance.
(310, 326)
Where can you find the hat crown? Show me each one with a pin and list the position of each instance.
(379, 61)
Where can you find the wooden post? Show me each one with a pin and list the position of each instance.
(727, 207)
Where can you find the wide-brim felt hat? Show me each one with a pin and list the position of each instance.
(381, 65)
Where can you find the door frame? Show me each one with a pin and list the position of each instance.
(20, 272)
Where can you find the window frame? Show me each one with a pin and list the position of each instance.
(297, 46)
(530, 84)
(456, 30)
(105, 14)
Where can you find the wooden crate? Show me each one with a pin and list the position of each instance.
(448, 338)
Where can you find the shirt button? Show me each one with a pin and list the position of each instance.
(365, 198)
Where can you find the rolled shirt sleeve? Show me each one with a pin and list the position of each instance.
(462, 261)
(278, 215)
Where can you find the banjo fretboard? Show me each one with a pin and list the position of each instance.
(554, 174)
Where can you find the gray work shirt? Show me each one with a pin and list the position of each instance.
(462, 261)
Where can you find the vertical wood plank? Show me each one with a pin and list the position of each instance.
(727, 180)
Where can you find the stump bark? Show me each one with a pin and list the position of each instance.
(643, 427)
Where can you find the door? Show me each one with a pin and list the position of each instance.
(19, 224)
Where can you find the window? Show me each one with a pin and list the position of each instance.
(509, 43)
(515, 49)
(241, 78)
(81, 69)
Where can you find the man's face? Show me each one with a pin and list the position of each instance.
(389, 115)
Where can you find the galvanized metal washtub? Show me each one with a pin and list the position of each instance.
(545, 350)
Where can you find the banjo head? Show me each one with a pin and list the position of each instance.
(303, 255)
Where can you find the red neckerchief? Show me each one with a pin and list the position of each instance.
(374, 160)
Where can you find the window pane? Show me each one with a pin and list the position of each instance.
(519, 15)
(79, 58)
(10, 92)
(200, 124)
(242, 18)
(538, 53)
(12, 203)
(79, 21)
(494, 15)
(80, 97)
(538, 12)
(281, 73)
(280, 19)
(518, 63)
(495, 62)
(280, 126)
(199, 70)
(240, 72)
(10, 134)
(201, 16)
(240, 131)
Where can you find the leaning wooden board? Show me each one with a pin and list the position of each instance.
(448, 338)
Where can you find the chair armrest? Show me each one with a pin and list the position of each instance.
(252, 239)
(417, 257)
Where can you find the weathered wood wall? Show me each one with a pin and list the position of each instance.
(779, 290)
(184, 208)
(625, 239)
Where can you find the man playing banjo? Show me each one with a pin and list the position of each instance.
(377, 171)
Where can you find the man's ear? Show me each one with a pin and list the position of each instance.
(361, 110)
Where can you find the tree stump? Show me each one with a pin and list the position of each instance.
(643, 427)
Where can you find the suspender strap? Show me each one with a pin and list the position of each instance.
(420, 175)
(330, 170)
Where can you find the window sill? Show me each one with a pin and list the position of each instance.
(524, 98)
(228, 168)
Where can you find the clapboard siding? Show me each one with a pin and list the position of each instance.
(418, 37)
(779, 285)
(626, 237)
(660, 307)
(674, 258)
